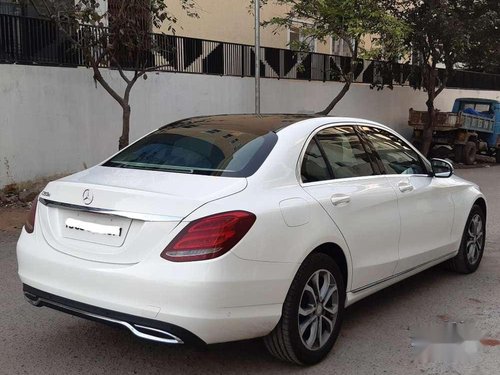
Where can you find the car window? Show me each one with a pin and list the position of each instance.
(345, 152)
(198, 149)
(314, 166)
(396, 156)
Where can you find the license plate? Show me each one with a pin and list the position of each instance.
(107, 230)
(91, 227)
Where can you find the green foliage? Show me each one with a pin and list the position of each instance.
(365, 27)
(483, 52)
(441, 32)
(350, 21)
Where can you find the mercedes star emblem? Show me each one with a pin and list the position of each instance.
(88, 197)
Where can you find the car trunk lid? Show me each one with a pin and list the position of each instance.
(118, 215)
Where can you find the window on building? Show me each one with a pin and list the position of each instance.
(340, 47)
(296, 36)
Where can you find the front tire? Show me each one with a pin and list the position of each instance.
(472, 246)
(312, 313)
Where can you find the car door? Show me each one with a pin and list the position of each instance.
(425, 205)
(342, 175)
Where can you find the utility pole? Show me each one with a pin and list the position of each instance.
(257, 56)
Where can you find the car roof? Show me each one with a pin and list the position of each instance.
(247, 123)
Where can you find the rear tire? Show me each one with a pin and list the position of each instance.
(470, 151)
(497, 156)
(312, 313)
(472, 246)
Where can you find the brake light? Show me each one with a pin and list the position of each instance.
(29, 224)
(209, 237)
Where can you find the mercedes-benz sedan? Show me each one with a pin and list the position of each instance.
(223, 228)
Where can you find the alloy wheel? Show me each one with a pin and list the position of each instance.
(475, 239)
(318, 309)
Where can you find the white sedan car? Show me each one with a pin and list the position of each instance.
(223, 228)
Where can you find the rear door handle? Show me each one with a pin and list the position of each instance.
(340, 199)
(405, 187)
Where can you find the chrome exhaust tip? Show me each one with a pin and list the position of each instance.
(141, 331)
(152, 334)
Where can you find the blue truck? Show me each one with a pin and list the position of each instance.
(472, 127)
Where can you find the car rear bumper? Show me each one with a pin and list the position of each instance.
(220, 300)
(144, 328)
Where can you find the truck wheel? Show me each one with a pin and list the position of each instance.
(470, 153)
(440, 151)
(459, 153)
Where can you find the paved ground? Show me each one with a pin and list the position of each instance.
(375, 338)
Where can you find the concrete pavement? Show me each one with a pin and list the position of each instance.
(375, 338)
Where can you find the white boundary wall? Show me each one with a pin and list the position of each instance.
(55, 120)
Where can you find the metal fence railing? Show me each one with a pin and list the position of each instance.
(25, 40)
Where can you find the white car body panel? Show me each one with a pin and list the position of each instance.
(171, 198)
(428, 207)
(369, 223)
(164, 194)
(240, 294)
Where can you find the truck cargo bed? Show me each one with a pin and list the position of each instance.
(446, 121)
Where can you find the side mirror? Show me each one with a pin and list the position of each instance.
(442, 168)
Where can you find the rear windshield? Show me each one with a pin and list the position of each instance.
(479, 108)
(198, 149)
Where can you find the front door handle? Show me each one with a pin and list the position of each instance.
(405, 187)
(340, 199)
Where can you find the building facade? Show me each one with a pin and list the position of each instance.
(219, 20)
(233, 21)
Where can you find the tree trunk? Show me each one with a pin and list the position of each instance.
(431, 111)
(428, 128)
(124, 138)
(337, 99)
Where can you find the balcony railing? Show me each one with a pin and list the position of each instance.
(25, 40)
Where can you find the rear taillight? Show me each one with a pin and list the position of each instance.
(29, 225)
(209, 237)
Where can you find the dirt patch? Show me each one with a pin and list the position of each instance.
(12, 218)
(20, 195)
